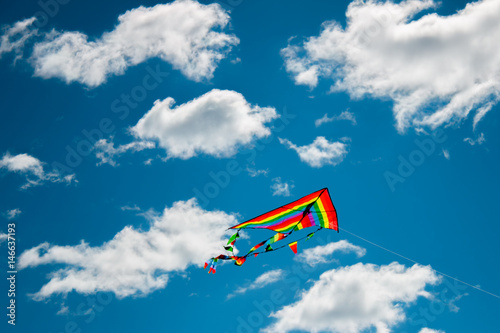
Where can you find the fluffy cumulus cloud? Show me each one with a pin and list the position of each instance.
(319, 254)
(33, 169)
(14, 37)
(106, 152)
(216, 124)
(280, 188)
(184, 33)
(135, 261)
(22, 163)
(319, 153)
(436, 69)
(261, 281)
(356, 298)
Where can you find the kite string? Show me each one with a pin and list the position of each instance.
(416, 262)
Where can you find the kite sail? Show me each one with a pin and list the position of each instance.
(315, 209)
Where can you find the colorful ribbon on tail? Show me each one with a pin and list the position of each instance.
(230, 243)
(240, 260)
(213, 261)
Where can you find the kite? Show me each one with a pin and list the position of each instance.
(313, 210)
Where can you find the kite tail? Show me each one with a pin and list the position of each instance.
(232, 240)
(238, 261)
(212, 267)
(212, 263)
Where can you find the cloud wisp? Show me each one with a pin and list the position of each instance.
(106, 152)
(13, 213)
(3, 237)
(478, 141)
(345, 115)
(15, 37)
(261, 281)
(319, 254)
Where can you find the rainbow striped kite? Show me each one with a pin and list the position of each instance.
(315, 209)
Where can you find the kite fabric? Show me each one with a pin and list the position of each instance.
(315, 209)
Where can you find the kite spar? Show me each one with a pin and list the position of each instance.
(313, 210)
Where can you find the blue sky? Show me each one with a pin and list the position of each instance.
(132, 137)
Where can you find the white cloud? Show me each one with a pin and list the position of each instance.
(435, 68)
(253, 172)
(319, 153)
(281, 188)
(481, 112)
(356, 298)
(216, 124)
(131, 208)
(446, 154)
(3, 237)
(345, 115)
(184, 33)
(451, 303)
(13, 213)
(33, 169)
(319, 254)
(135, 261)
(261, 281)
(22, 163)
(479, 141)
(106, 152)
(14, 37)
(429, 330)
(63, 310)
